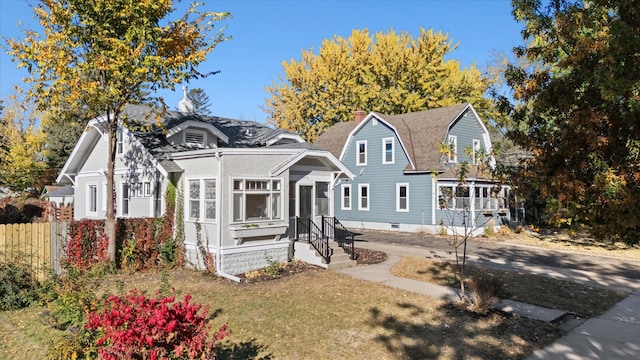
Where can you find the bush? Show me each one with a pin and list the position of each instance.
(72, 298)
(135, 326)
(484, 291)
(18, 286)
(76, 344)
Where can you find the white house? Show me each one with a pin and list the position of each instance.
(241, 182)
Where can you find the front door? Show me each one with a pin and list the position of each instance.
(310, 201)
(306, 202)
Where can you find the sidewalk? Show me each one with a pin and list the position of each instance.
(612, 335)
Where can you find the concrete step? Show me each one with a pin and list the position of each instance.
(340, 260)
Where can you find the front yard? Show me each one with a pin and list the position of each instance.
(315, 314)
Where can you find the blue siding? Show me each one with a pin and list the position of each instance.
(467, 129)
(382, 180)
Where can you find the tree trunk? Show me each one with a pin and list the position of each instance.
(110, 223)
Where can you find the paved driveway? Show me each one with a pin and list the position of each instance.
(599, 271)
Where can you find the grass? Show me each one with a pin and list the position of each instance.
(576, 242)
(532, 289)
(317, 314)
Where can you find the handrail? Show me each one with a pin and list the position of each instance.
(333, 229)
(314, 236)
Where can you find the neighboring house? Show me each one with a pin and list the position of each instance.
(240, 182)
(60, 195)
(60, 202)
(403, 181)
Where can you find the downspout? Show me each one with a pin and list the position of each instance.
(219, 271)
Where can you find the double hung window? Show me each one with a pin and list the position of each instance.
(346, 197)
(125, 199)
(453, 148)
(363, 196)
(402, 197)
(202, 199)
(361, 149)
(387, 151)
(92, 199)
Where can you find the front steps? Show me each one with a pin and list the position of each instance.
(339, 259)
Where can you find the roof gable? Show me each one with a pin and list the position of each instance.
(420, 134)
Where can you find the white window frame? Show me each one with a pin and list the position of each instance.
(485, 198)
(271, 192)
(452, 142)
(343, 197)
(458, 202)
(119, 141)
(398, 197)
(147, 189)
(476, 149)
(200, 200)
(450, 202)
(126, 197)
(360, 162)
(193, 198)
(92, 199)
(360, 197)
(205, 199)
(386, 141)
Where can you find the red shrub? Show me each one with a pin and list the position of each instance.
(134, 326)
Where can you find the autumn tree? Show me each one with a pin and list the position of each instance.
(22, 154)
(200, 101)
(578, 110)
(104, 54)
(391, 73)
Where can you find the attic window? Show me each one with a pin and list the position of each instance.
(194, 138)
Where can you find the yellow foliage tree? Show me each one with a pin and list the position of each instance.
(101, 55)
(388, 72)
(22, 159)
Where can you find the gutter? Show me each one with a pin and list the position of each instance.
(219, 271)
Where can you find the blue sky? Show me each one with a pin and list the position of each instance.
(266, 33)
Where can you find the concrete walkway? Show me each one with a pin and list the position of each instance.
(612, 335)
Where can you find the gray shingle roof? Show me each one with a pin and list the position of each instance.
(241, 133)
(421, 133)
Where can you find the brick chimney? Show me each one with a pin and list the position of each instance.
(359, 115)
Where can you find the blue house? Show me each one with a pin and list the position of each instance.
(404, 182)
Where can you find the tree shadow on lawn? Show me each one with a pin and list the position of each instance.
(455, 333)
(244, 350)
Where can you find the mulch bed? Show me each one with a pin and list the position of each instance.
(369, 257)
(365, 257)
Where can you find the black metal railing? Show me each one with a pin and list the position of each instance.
(308, 231)
(333, 229)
